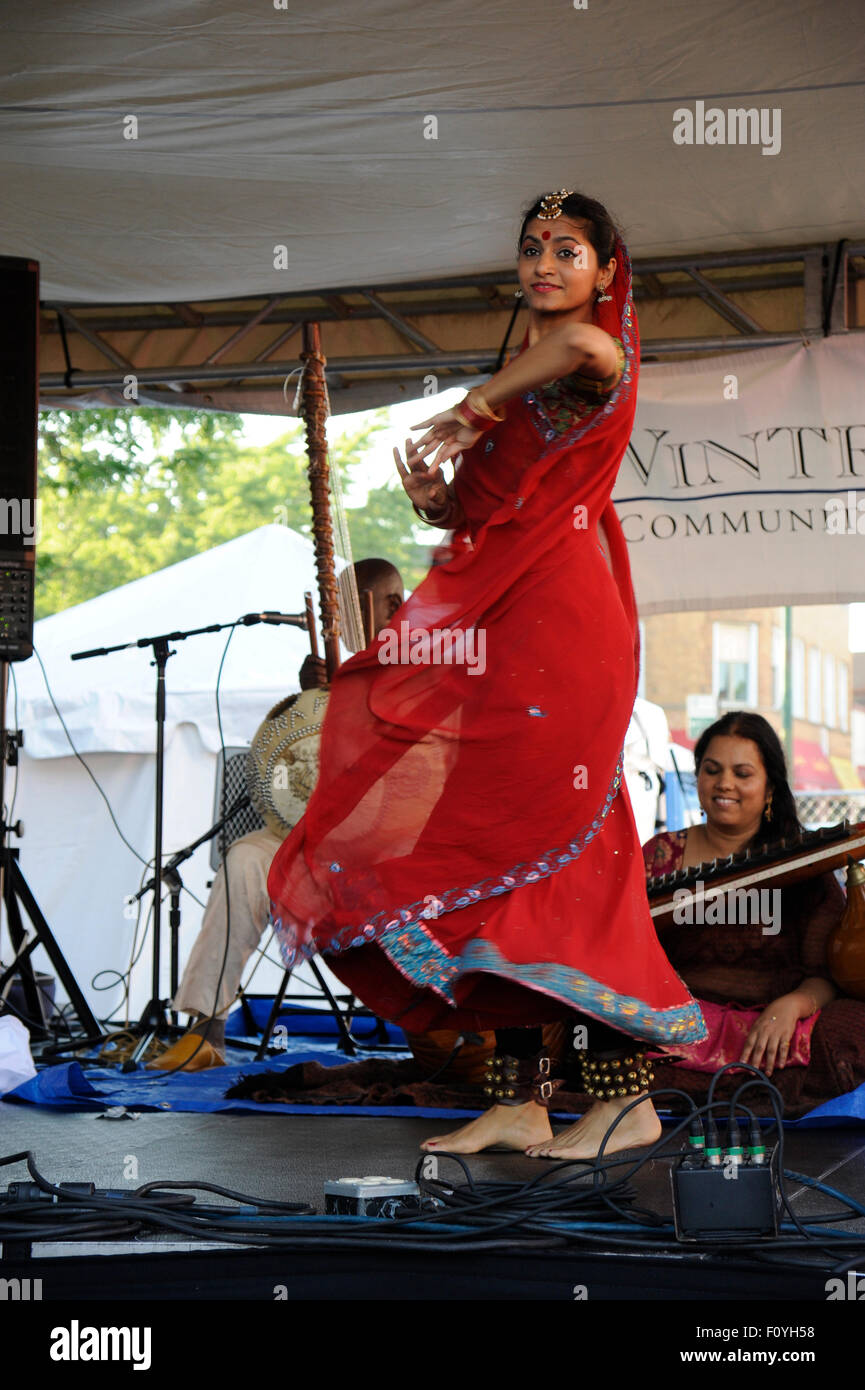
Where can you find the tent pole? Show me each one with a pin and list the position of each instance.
(313, 410)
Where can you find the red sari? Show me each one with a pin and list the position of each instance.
(469, 857)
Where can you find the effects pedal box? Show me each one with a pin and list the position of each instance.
(726, 1202)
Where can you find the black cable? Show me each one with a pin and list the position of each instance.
(90, 774)
(70, 1214)
(162, 1185)
(141, 859)
(504, 347)
(601, 1171)
(777, 1102)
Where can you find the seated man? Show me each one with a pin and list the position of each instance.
(238, 907)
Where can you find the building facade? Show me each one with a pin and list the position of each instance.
(699, 665)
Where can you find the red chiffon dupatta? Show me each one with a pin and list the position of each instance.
(468, 856)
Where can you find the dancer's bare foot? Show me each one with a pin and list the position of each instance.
(511, 1126)
(583, 1140)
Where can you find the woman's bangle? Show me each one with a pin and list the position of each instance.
(474, 412)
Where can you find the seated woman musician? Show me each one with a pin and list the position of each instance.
(764, 986)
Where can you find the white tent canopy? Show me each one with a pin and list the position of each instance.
(109, 702)
(165, 153)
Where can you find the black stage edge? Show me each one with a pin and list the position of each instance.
(179, 1335)
(545, 1276)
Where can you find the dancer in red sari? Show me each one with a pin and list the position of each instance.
(469, 857)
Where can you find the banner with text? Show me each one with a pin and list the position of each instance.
(744, 481)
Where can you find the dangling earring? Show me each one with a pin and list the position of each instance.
(603, 297)
(768, 811)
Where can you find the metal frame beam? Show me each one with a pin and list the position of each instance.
(715, 297)
(810, 268)
(246, 328)
(471, 359)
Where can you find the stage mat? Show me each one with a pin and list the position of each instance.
(68, 1087)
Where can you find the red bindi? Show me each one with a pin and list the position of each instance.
(545, 236)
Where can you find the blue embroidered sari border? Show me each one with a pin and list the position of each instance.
(437, 970)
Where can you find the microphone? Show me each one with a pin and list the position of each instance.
(293, 619)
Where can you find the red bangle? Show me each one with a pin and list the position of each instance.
(471, 418)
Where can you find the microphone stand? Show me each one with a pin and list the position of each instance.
(171, 878)
(154, 1021)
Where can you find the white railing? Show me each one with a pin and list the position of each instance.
(829, 808)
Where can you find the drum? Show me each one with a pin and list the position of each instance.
(282, 763)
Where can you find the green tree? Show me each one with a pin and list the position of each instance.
(386, 525)
(125, 494)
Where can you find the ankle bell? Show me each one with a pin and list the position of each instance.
(509, 1081)
(608, 1077)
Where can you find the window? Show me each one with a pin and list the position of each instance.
(814, 670)
(798, 678)
(843, 697)
(777, 667)
(734, 663)
(829, 691)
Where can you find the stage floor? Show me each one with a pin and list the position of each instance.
(290, 1157)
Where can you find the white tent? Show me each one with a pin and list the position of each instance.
(310, 163)
(72, 857)
(192, 152)
(197, 182)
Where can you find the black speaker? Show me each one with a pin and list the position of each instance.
(19, 404)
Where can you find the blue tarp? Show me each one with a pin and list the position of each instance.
(307, 1021)
(67, 1087)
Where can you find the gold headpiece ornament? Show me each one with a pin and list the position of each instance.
(551, 204)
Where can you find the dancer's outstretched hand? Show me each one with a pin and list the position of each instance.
(424, 483)
(446, 437)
